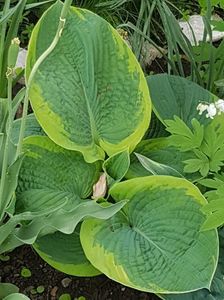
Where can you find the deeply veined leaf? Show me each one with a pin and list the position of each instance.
(217, 287)
(90, 93)
(64, 253)
(146, 245)
(179, 96)
(53, 178)
(49, 167)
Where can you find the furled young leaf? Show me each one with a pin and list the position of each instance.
(182, 136)
(90, 93)
(154, 244)
(159, 151)
(117, 165)
(178, 96)
(156, 168)
(64, 253)
(217, 287)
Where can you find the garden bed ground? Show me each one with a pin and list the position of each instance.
(96, 288)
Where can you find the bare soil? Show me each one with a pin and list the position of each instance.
(93, 288)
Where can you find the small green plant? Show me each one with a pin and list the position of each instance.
(40, 289)
(26, 273)
(65, 297)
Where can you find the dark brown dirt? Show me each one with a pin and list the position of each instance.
(95, 288)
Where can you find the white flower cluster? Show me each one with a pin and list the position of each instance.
(212, 109)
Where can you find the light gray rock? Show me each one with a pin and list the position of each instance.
(196, 24)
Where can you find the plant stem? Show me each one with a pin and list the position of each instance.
(6, 149)
(2, 34)
(39, 61)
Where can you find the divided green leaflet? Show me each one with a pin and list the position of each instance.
(90, 93)
(154, 243)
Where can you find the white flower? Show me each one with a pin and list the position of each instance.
(220, 105)
(202, 107)
(212, 110)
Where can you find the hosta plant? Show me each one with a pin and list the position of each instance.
(92, 100)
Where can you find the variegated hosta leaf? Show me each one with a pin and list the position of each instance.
(216, 291)
(64, 253)
(53, 186)
(90, 93)
(48, 169)
(154, 244)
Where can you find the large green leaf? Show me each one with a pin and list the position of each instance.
(64, 253)
(155, 243)
(16, 296)
(7, 289)
(53, 186)
(90, 93)
(48, 168)
(178, 96)
(217, 288)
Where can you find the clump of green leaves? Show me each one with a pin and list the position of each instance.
(205, 143)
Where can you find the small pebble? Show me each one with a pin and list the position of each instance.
(66, 282)
(123, 289)
(54, 291)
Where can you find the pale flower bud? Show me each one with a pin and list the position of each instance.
(100, 188)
